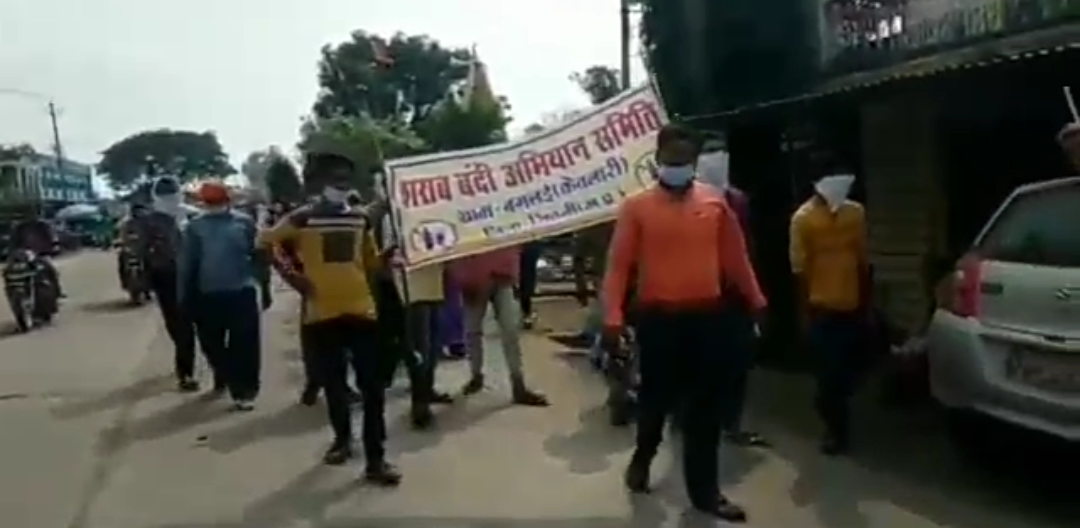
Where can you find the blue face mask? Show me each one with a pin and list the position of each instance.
(677, 177)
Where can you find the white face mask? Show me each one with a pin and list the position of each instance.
(335, 195)
(168, 204)
(713, 169)
(834, 190)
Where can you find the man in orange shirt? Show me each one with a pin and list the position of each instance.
(829, 258)
(685, 242)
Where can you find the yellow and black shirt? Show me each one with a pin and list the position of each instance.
(336, 253)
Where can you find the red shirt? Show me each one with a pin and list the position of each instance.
(482, 272)
(683, 249)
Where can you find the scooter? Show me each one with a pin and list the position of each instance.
(32, 297)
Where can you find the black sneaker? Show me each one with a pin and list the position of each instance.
(723, 509)
(474, 385)
(338, 454)
(309, 396)
(746, 439)
(220, 388)
(188, 384)
(834, 446)
(355, 398)
(636, 477)
(528, 398)
(440, 398)
(455, 352)
(421, 417)
(382, 474)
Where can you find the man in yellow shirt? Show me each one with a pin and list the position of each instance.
(829, 259)
(338, 256)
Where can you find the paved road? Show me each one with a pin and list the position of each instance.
(95, 437)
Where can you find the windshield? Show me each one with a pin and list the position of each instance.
(1038, 228)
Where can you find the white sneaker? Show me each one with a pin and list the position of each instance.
(244, 405)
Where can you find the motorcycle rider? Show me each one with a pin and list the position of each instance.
(157, 242)
(35, 235)
(126, 238)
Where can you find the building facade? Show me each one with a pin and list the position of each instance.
(39, 179)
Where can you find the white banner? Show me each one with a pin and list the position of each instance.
(453, 204)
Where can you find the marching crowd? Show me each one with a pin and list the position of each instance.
(678, 272)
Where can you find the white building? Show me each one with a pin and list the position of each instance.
(38, 178)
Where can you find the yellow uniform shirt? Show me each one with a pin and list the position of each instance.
(827, 250)
(337, 254)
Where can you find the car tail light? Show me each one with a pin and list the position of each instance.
(965, 287)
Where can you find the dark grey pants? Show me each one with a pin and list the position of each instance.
(422, 325)
(228, 330)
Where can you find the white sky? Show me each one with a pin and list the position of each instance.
(246, 68)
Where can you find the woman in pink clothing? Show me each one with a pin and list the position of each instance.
(490, 278)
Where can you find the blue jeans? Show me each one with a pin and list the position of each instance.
(836, 342)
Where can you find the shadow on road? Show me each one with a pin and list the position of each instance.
(450, 420)
(590, 448)
(903, 457)
(111, 306)
(304, 501)
(134, 393)
(185, 415)
(291, 421)
(9, 329)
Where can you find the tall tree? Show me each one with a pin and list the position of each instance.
(256, 165)
(283, 180)
(178, 153)
(472, 117)
(368, 143)
(601, 83)
(400, 78)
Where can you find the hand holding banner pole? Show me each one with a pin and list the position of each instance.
(1072, 104)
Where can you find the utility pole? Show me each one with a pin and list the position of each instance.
(57, 149)
(624, 22)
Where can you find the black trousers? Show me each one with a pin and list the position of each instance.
(530, 255)
(178, 323)
(422, 320)
(408, 335)
(737, 362)
(335, 343)
(680, 365)
(837, 341)
(311, 364)
(228, 331)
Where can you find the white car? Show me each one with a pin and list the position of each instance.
(1005, 342)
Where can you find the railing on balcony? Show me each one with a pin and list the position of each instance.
(865, 34)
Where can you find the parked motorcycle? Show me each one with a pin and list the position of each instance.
(134, 279)
(31, 295)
